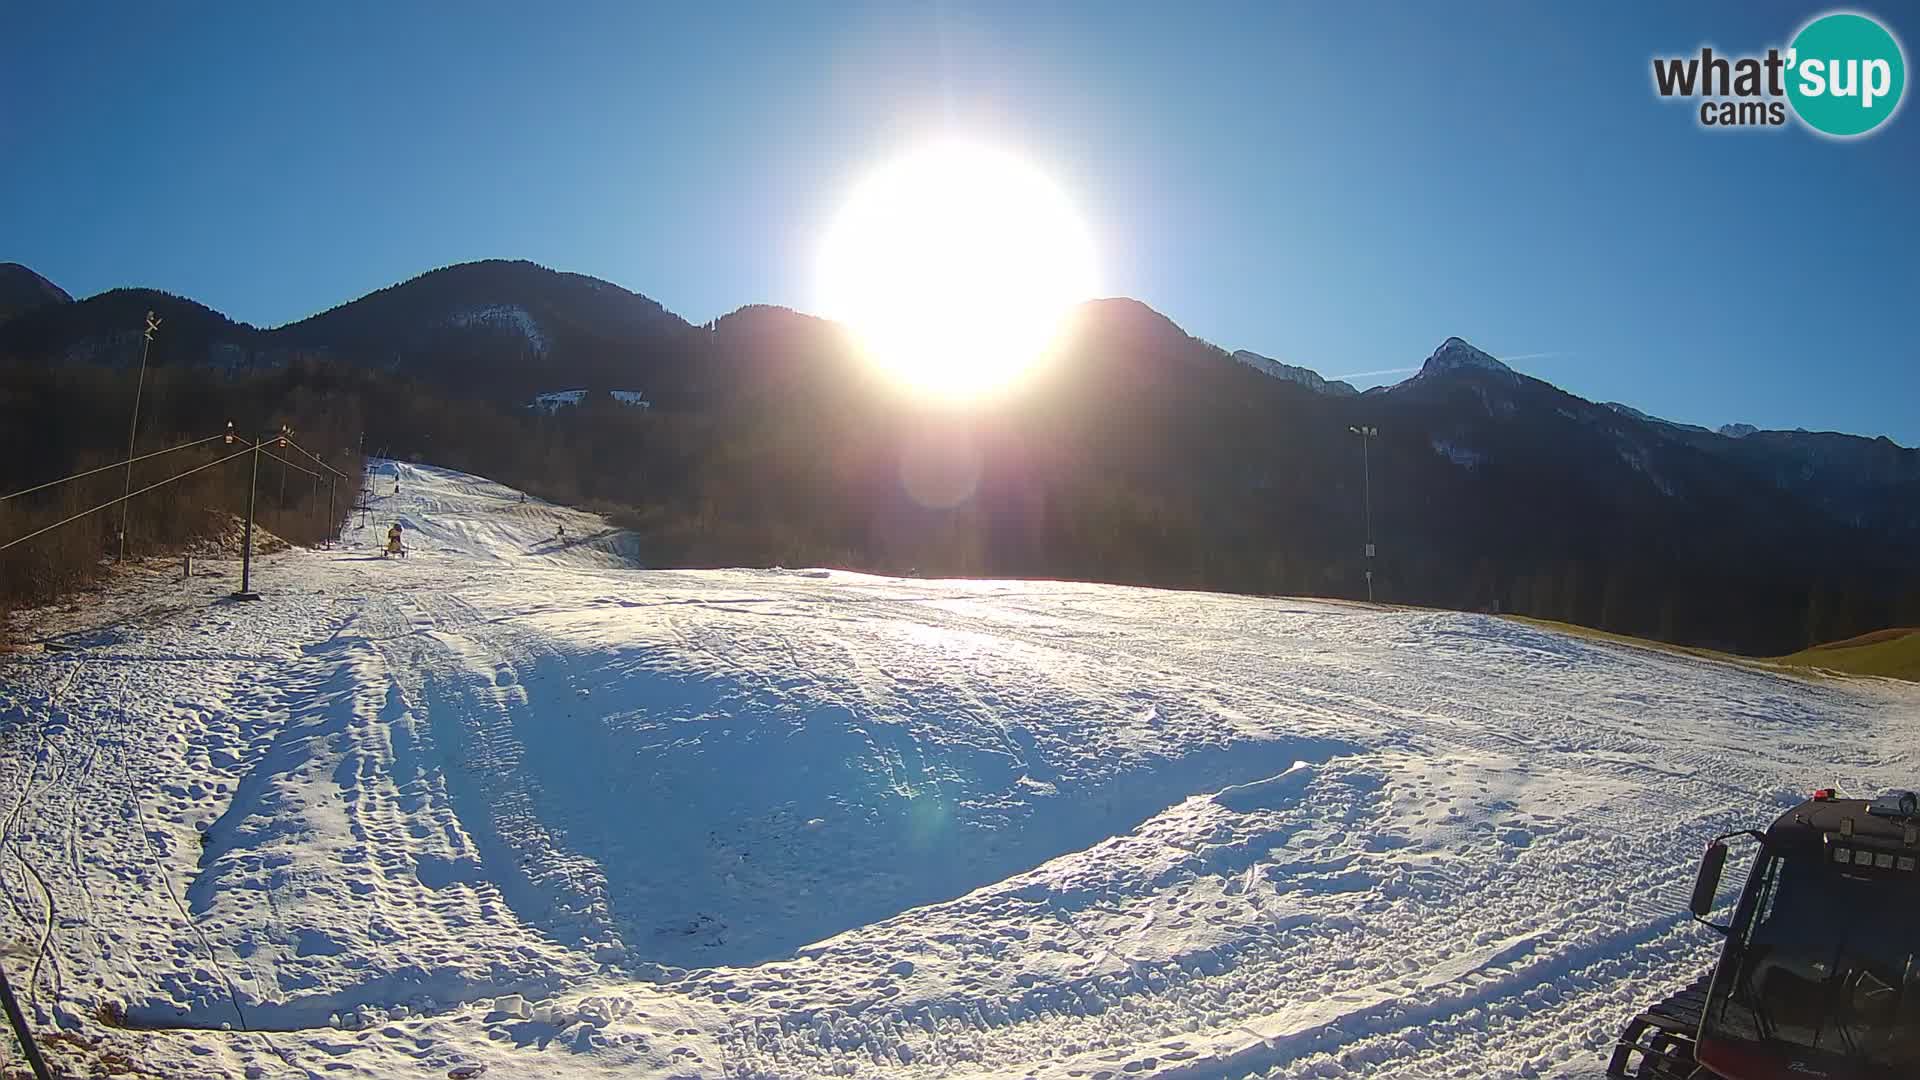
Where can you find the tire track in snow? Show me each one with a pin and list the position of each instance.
(470, 694)
(166, 880)
(11, 843)
(1533, 791)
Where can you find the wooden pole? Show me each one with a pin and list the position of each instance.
(246, 547)
(133, 427)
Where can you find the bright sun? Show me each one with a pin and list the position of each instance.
(956, 265)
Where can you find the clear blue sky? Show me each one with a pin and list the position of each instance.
(1340, 186)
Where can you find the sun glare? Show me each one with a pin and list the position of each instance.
(956, 265)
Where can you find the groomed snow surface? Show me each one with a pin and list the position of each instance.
(513, 804)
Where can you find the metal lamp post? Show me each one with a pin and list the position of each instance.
(1367, 435)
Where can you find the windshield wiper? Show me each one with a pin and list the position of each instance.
(1885, 1021)
(1744, 992)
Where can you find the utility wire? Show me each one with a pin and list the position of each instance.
(316, 459)
(124, 498)
(115, 465)
(290, 464)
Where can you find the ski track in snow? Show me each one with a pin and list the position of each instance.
(804, 823)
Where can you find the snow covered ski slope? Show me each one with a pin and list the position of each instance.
(513, 804)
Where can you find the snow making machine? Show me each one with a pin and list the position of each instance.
(1820, 973)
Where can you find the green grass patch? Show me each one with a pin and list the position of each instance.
(1628, 640)
(1892, 653)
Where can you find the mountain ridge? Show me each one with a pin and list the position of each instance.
(1135, 453)
(1457, 354)
(1306, 377)
(22, 289)
(238, 345)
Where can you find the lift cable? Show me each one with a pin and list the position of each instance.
(104, 468)
(290, 464)
(124, 498)
(316, 459)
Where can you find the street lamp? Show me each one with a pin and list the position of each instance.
(1367, 435)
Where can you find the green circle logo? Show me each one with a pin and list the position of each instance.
(1846, 73)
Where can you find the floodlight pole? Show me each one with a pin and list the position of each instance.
(133, 427)
(1367, 435)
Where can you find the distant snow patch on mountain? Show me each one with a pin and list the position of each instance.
(1640, 461)
(1628, 410)
(1310, 379)
(1465, 457)
(555, 400)
(510, 316)
(1737, 431)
